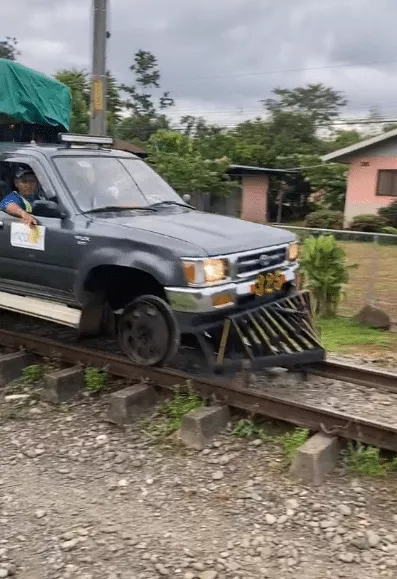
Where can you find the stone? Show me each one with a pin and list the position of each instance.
(373, 539)
(374, 317)
(126, 405)
(209, 575)
(3, 573)
(316, 458)
(62, 385)
(40, 513)
(217, 475)
(346, 557)
(161, 570)
(16, 397)
(291, 504)
(12, 365)
(345, 510)
(270, 519)
(69, 545)
(200, 426)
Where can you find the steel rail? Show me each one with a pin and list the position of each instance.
(252, 401)
(360, 375)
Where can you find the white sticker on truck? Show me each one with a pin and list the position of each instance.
(27, 237)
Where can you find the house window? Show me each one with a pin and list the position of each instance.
(387, 183)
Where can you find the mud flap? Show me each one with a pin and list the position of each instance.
(282, 333)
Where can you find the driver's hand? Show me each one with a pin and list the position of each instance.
(29, 220)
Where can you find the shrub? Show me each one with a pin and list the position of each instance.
(367, 222)
(389, 214)
(325, 272)
(390, 230)
(325, 219)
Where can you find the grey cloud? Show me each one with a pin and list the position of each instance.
(208, 49)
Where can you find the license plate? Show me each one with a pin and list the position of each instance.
(268, 283)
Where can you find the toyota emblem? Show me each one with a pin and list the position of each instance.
(264, 260)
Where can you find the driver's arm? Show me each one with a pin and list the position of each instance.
(11, 205)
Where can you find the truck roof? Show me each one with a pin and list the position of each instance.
(51, 150)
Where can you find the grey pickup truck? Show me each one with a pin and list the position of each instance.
(117, 250)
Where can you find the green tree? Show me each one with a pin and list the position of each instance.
(147, 114)
(9, 48)
(328, 178)
(343, 139)
(79, 85)
(178, 161)
(389, 127)
(320, 103)
(289, 133)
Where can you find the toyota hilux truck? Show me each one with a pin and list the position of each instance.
(116, 250)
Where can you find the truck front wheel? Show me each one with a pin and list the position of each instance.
(148, 332)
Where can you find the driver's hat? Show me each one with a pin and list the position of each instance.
(23, 172)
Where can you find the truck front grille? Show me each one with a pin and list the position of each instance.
(253, 263)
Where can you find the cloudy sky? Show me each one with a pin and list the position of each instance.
(218, 58)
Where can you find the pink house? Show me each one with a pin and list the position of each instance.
(372, 175)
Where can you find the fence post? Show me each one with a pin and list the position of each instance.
(374, 271)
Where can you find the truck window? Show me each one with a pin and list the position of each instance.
(8, 171)
(96, 182)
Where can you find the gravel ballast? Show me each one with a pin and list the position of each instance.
(82, 499)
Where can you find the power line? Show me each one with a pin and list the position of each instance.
(337, 123)
(251, 112)
(283, 71)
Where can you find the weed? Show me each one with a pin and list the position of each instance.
(95, 379)
(168, 417)
(174, 409)
(364, 460)
(245, 428)
(32, 374)
(291, 441)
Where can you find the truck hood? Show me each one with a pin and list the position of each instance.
(214, 234)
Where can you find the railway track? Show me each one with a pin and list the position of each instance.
(255, 402)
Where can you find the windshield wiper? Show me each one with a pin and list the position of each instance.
(115, 208)
(172, 203)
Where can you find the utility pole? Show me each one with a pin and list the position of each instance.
(99, 79)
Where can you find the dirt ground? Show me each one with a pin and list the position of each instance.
(81, 499)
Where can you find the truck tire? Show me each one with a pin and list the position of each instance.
(148, 332)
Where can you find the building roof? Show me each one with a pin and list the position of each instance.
(345, 154)
(128, 147)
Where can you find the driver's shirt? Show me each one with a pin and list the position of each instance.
(15, 197)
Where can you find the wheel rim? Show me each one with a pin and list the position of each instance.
(144, 334)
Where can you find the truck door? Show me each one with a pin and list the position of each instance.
(46, 262)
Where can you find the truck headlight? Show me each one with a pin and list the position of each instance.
(205, 271)
(293, 251)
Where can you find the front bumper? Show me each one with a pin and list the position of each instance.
(220, 298)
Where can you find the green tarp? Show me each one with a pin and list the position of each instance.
(27, 96)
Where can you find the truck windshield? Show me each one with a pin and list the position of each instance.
(96, 182)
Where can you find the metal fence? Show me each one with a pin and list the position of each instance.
(374, 281)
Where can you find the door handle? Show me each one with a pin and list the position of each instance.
(1, 224)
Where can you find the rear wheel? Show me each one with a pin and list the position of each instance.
(148, 332)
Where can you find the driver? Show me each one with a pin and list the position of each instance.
(19, 203)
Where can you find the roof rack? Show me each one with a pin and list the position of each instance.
(70, 140)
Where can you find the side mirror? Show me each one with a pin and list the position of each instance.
(187, 198)
(45, 208)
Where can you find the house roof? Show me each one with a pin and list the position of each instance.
(345, 154)
(128, 147)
